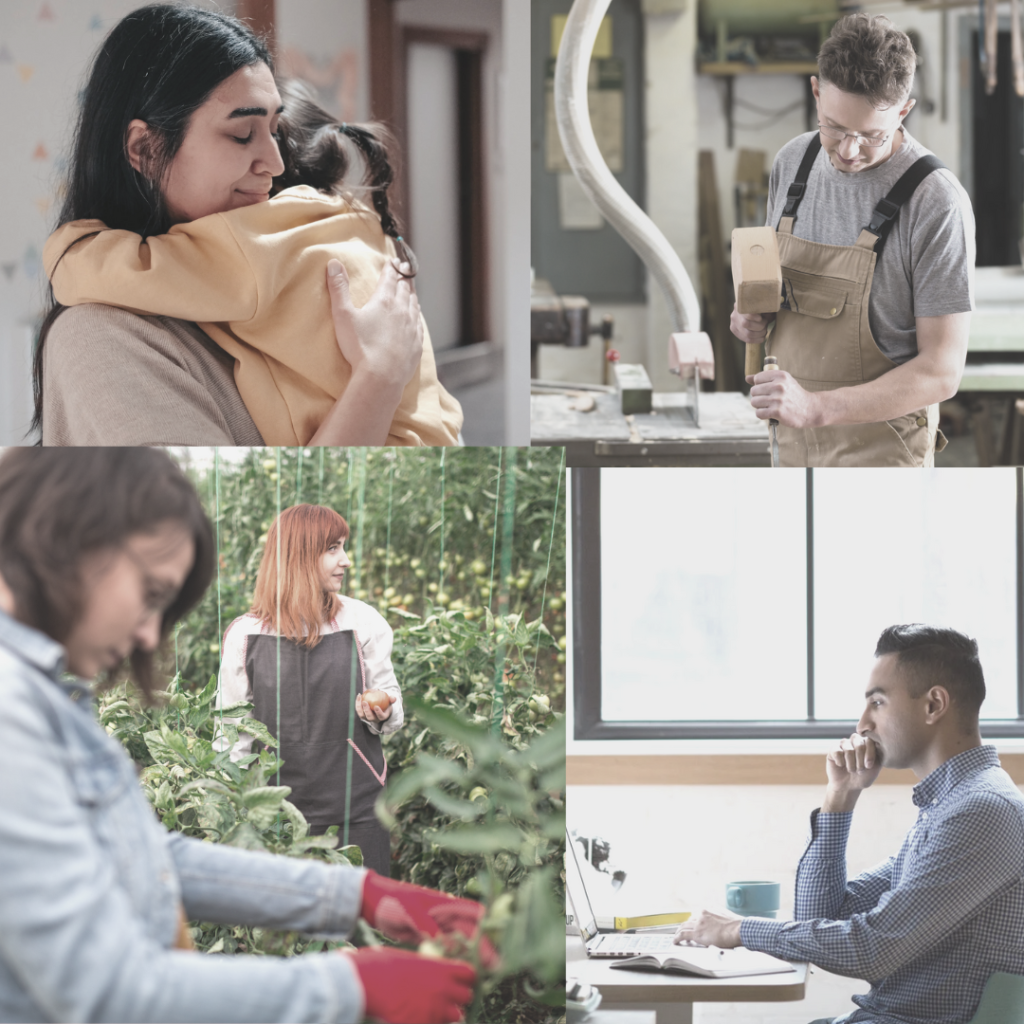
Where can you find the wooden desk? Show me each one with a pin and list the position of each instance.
(672, 996)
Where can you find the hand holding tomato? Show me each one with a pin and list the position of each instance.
(374, 705)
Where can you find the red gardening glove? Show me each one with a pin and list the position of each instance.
(405, 988)
(409, 914)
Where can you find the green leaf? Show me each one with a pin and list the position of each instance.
(265, 796)
(548, 750)
(245, 837)
(353, 854)
(449, 724)
(256, 728)
(447, 804)
(479, 839)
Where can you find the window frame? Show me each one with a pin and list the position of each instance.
(586, 640)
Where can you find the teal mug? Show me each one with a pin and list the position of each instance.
(753, 899)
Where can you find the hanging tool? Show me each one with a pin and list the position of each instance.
(991, 28)
(771, 363)
(1016, 48)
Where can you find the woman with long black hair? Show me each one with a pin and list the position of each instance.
(306, 658)
(101, 552)
(179, 123)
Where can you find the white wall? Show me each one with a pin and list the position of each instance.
(433, 141)
(506, 172)
(672, 144)
(45, 50)
(326, 42)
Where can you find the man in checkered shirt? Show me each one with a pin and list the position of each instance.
(927, 927)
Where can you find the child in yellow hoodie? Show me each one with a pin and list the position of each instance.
(253, 280)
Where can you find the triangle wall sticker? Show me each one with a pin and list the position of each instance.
(46, 14)
(25, 71)
(5, 55)
(40, 152)
(9, 269)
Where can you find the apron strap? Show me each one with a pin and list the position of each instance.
(884, 216)
(785, 226)
(866, 239)
(796, 190)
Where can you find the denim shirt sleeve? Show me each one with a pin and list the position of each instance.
(225, 885)
(79, 844)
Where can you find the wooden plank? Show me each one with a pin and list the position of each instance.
(717, 300)
(735, 67)
(727, 770)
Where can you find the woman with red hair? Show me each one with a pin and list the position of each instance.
(304, 657)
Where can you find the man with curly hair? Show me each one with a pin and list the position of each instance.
(876, 237)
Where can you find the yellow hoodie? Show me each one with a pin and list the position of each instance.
(254, 279)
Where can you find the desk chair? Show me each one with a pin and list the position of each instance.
(1003, 1001)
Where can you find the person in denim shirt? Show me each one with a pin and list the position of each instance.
(927, 927)
(101, 552)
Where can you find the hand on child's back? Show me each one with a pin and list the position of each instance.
(382, 340)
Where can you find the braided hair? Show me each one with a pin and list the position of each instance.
(314, 151)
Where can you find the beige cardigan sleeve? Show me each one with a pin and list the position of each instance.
(197, 271)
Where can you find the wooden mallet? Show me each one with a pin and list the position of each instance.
(757, 278)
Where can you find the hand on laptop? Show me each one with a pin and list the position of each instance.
(710, 929)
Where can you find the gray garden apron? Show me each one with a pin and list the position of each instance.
(316, 725)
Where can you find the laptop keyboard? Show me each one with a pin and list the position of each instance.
(635, 943)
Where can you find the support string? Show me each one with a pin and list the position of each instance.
(547, 571)
(494, 536)
(508, 525)
(440, 564)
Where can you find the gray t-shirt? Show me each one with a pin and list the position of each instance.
(927, 265)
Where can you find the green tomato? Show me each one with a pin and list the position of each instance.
(501, 908)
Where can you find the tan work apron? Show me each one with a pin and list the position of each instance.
(824, 341)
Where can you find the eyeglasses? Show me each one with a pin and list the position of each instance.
(861, 140)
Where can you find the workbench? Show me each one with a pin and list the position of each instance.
(730, 434)
(993, 378)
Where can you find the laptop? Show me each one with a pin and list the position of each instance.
(606, 944)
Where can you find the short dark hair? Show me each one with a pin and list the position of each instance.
(60, 504)
(934, 656)
(869, 57)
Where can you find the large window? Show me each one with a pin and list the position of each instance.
(721, 603)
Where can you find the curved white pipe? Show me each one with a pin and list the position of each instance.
(573, 118)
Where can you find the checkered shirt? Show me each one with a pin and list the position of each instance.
(927, 927)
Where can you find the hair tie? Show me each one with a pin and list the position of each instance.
(399, 238)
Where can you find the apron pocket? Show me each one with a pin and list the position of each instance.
(814, 296)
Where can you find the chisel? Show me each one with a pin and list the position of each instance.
(771, 363)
